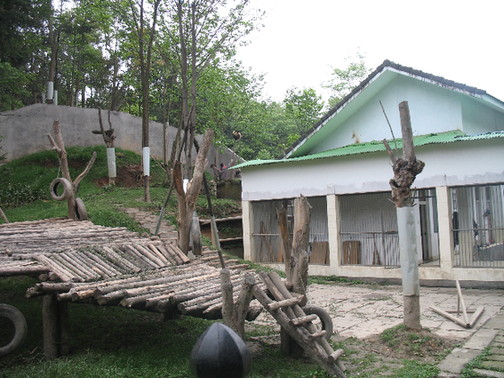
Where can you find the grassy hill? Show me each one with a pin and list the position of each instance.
(24, 188)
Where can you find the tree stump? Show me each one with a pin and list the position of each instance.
(76, 208)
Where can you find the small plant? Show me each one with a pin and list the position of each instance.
(468, 371)
(14, 195)
(390, 336)
(417, 370)
(332, 279)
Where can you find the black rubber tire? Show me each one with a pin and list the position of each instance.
(80, 210)
(20, 327)
(323, 315)
(67, 189)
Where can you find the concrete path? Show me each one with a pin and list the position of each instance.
(364, 310)
(149, 220)
(489, 334)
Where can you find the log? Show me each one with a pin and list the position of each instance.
(50, 327)
(302, 320)
(120, 261)
(275, 306)
(298, 311)
(154, 248)
(227, 298)
(285, 251)
(299, 254)
(150, 255)
(63, 274)
(310, 347)
(3, 216)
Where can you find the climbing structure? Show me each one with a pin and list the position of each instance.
(286, 309)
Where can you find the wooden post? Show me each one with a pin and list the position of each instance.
(235, 313)
(296, 256)
(56, 337)
(3, 216)
(295, 253)
(300, 240)
(405, 171)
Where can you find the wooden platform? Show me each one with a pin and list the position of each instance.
(82, 262)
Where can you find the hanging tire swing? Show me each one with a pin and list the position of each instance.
(20, 328)
(67, 189)
(68, 193)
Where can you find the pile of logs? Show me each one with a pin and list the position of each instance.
(82, 262)
(192, 289)
(80, 251)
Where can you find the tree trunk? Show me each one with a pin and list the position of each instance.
(187, 199)
(301, 233)
(295, 253)
(405, 172)
(70, 196)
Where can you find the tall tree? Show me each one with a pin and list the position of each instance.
(207, 31)
(343, 80)
(23, 30)
(140, 19)
(304, 107)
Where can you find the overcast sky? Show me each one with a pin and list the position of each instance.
(303, 40)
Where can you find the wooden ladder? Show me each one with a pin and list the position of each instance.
(288, 313)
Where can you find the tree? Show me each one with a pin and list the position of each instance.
(140, 19)
(207, 32)
(13, 82)
(344, 80)
(82, 67)
(405, 171)
(23, 29)
(303, 107)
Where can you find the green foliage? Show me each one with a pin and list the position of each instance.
(28, 179)
(415, 369)
(325, 280)
(13, 82)
(13, 195)
(346, 79)
(304, 107)
(389, 336)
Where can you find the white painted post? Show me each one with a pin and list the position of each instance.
(334, 227)
(248, 243)
(111, 162)
(445, 228)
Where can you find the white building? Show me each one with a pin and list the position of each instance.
(342, 167)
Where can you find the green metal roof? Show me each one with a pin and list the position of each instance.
(375, 146)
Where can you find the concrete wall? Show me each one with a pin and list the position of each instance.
(450, 164)
(25, 130)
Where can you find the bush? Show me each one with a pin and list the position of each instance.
(14, 195)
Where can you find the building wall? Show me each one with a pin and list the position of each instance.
(478, 118)
(452, 164)
(432, 109)
(461, 163)
(25, 130)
